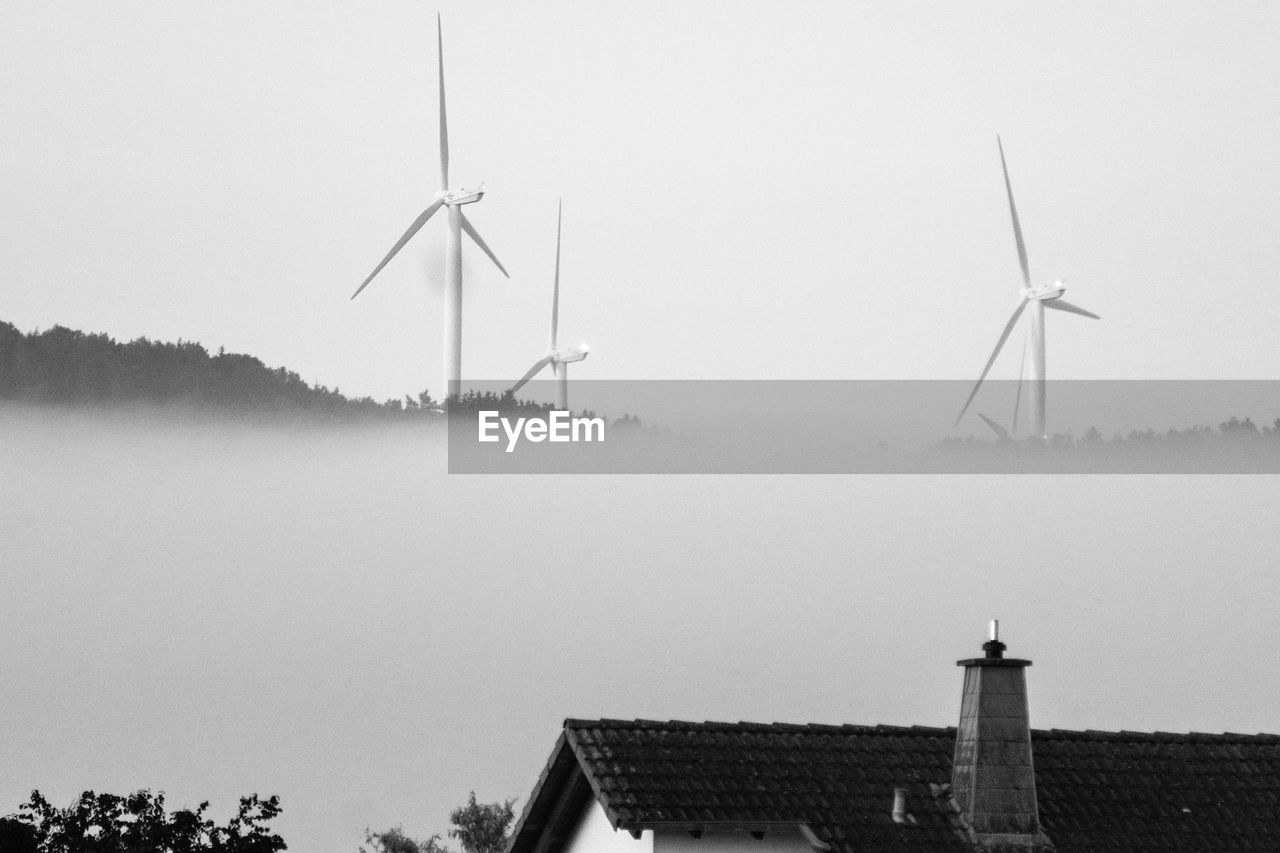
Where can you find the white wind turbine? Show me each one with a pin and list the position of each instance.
(458, 222)
(1039, 298)
(558, 359)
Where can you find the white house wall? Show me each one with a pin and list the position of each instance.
(790, 841)
(594, 835)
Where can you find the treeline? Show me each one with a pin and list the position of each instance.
(1233, 432)
(137, 823)
(140, 823)
(477, 827)
(62, 366)
(65, 367)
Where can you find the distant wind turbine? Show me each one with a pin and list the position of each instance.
(558, 359)
(1038, 298)
(458, 222)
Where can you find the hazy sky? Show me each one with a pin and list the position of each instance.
(751, 191)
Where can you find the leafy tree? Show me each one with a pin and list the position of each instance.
(478, 828)
(395, 840)
(138, 823)
(247, 832)
(482, 827)
(1235, 426)
(17, 836)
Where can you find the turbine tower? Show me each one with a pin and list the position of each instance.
(458, 223)
(1039, 298)
(558, 359)
(998, 428)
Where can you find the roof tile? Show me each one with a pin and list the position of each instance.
(1096, 790)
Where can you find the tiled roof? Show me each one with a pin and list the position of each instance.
(1096, 790)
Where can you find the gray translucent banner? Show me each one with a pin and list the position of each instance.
(869, 427)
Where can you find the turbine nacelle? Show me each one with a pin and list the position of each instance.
(571, 355)
(1042, 294)
(461, 196)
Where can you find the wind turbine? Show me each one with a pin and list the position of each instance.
(1039, 298)
(558, 359)
(458, 222)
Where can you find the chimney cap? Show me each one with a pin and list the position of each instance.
(993, 652)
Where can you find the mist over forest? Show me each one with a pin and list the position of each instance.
(767, 427)
(68, 368)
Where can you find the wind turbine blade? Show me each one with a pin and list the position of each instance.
(1004, 336)
(1013, 211)
(1000, 431)
(1017, 400)
(533, 371)
(555, 293)
(444, 122)
(475, 235)
(413, 229)
(1060, 305)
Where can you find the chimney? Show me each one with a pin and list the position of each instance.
(992, 777)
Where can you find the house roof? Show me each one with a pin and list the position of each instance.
(1096, 790)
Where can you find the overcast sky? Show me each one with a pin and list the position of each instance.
(751, 191)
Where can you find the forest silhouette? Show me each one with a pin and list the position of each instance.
(66, 367)
(62, 367)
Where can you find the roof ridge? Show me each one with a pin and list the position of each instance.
(889, 729)
(1127, 734)
(720, 725)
